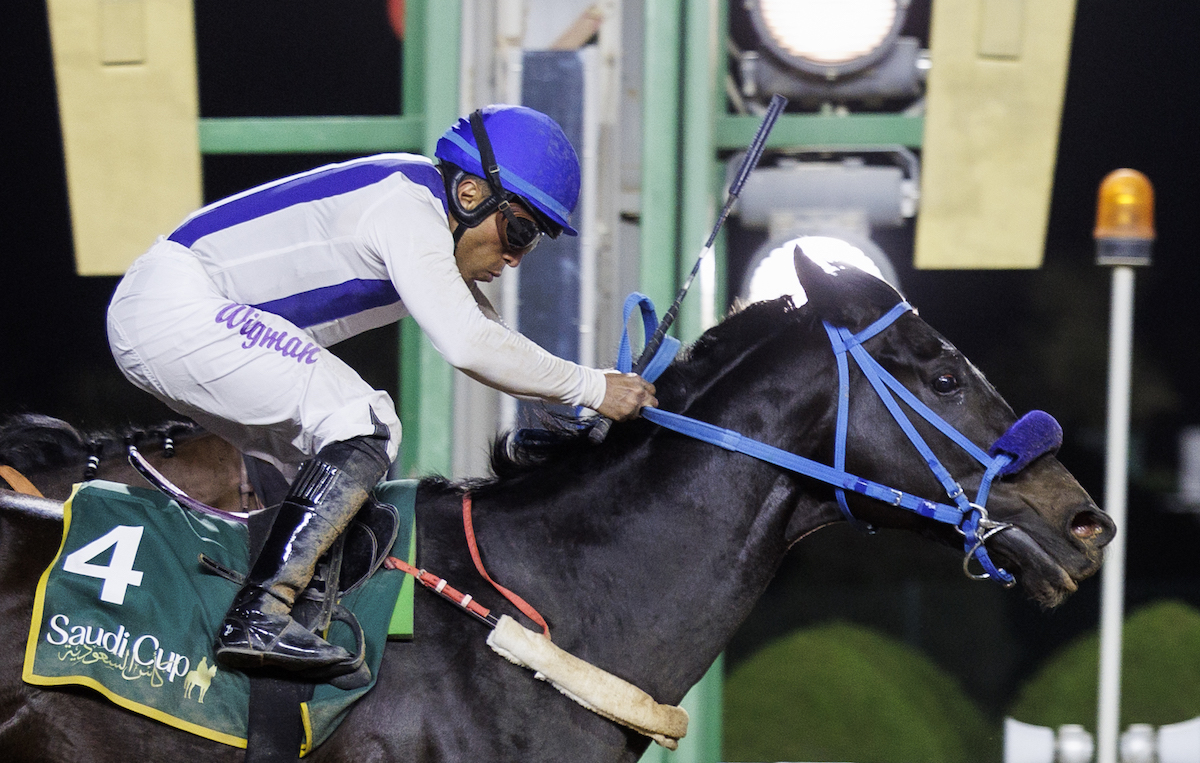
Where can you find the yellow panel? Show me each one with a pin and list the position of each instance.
(1001, 28)
(126, 73)
(122, 31)
(991, 131)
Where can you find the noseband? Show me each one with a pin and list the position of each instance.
(1035, 434)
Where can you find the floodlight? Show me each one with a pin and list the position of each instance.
(1075, 744)
(818, 35)
(816, 51)
(1137, 744)
(829, 207)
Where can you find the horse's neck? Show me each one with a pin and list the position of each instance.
(645, 562)
(631, 570)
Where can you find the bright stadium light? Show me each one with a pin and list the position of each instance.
(1173, 743)
(1179, 742)
(819, 52)
(826, 32)
(1027, 743)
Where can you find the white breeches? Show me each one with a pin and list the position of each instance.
(253, 378)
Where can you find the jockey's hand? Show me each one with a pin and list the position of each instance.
(625, 395)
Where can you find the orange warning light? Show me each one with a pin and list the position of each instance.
(1125, 209)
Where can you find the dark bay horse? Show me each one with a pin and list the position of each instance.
(644, 552)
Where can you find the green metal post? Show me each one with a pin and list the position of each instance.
(430, 82)
(697, 154)
(660, 150)
(412, 60)
(701, 101)
(678, 167)
(660, 169)
(440, 72)
(736, 131)
(717, 176)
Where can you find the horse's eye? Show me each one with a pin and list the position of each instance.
(945, 384)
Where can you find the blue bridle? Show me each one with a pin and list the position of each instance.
(1033, 435)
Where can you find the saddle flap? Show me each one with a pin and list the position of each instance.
(368, 540)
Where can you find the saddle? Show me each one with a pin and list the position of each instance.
(356, 555)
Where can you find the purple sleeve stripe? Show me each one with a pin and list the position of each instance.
(329, 303)
(322, 184)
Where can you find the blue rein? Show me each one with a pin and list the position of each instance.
(1034, 434)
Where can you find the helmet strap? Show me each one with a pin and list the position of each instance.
(487, 157)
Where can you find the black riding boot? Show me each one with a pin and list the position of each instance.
(259, 630)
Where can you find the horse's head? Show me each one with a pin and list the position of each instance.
(1047, 531)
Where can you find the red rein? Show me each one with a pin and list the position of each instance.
(442, 588)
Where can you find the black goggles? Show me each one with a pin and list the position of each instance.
(519, 230)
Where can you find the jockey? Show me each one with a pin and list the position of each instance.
(226, 320)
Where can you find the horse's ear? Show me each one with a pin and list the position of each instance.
(843, 294)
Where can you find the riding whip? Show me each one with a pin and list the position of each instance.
(749, 162)
(600, 430)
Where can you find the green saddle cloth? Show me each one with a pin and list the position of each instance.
(126, 610)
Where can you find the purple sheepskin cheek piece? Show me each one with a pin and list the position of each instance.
(1035, 434)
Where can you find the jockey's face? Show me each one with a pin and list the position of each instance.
(480, 254)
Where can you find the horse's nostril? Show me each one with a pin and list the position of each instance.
(1088, 525)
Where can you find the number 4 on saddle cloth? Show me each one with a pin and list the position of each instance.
(126, 609)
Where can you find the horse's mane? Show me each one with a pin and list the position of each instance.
(565, 439)
(33, 442)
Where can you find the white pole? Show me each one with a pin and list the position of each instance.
(1112, 602)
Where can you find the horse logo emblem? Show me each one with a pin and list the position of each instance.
(200, 678)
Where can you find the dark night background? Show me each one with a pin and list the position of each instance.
(1041, 336)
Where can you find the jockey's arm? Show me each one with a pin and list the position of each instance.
(429, 283)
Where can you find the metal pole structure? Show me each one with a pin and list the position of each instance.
(1112, 603)
(661, 80)
(1124, 237)
(698, 163)
(431, 48)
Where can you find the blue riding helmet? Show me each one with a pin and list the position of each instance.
(536, 160)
